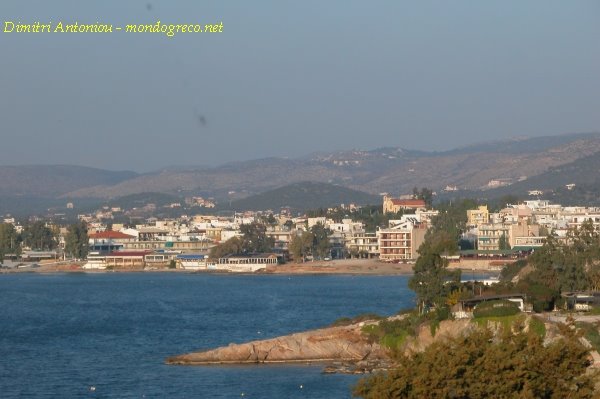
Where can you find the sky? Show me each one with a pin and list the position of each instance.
(288, 78)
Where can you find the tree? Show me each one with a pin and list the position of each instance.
(38, 236)
(481, 365)
(271, 220)
(9, 240)
(254, 238)
(233, 246)
(77, 241)
(301, 245)
(321, 244)
(431, 275)
(288, 224)
(503, 242)
(424, 194)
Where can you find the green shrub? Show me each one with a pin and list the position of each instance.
(537, 326)
(497, 308)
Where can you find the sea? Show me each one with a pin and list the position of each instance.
(106, 335)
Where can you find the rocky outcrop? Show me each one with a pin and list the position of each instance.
(334, 344)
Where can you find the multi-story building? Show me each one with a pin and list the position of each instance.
(401, 241)
(488, 237)
(363, 245)
(104, 242)
(479, 216)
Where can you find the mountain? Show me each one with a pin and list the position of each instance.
(389, 169)
(54, 180)
(303, 196)
(581, 175)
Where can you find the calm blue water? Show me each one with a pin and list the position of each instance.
(61, 334)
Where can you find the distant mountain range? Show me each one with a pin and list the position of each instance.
(544, 163)
(49, 181)
(301, 197)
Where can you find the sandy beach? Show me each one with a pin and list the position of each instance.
(342, 266)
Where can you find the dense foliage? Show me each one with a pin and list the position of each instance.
(314, 242)
(432, 281)
(483, 366)
(253, 240)
(563, 266)
(38, 236)
(76, 240)
(9, 240)
(370, 216)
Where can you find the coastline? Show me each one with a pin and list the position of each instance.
(352, 267)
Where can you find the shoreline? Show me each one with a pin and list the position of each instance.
(347, 267)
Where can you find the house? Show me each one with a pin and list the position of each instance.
(104, 242)
(581, 300)
(464, 308)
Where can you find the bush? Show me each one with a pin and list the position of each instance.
(482, 365)
(537, 326)
(498, 308)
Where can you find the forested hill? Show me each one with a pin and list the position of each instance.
(303, 196)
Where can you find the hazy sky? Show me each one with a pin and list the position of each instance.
(286, 78)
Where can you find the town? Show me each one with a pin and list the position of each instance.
(488, 240)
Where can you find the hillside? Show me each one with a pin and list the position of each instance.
(393, 170)
(389, 169)
(583, 173)
(302, 196)
(54, 180)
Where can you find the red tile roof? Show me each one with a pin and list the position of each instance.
(110, 235)
(409, 202)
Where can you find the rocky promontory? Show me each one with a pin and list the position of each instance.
(332, 344)
(344, 348)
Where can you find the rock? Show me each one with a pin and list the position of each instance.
(328, 344)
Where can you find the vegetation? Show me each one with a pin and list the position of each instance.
(424, 194)
(432, 281)
(559, 267)
(303, 196)
(301, 245)
(346, 321)
(76, 240)
(479, 366)
(314, 242)
(537, 327)
(371, 216)
(9, 240)
(511, 270)
(38, 236)
(591, 333)
(253, 240)
(497, 308)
